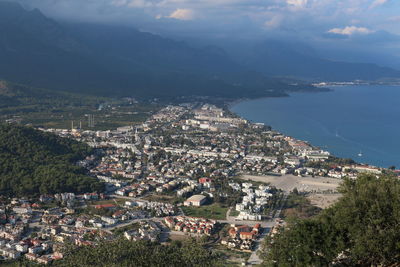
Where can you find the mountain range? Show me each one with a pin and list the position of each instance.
(302, 62)
(115, 60)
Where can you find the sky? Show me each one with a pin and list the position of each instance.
(328, 23)
(334, 17)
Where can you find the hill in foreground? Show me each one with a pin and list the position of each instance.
(33, 162)
(361, 229)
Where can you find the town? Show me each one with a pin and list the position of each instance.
(177, 175)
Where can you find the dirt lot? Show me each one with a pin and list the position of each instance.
(323, 200)
(314, 185)
(288, 182)
(178, 237)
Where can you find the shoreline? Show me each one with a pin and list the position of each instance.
(306, 141)
(352, 144)
(238, 101)
(229, 103)
(353, 158)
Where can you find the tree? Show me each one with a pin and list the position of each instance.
(295, 191)
(122, 252)
(33, 162)
(362, 228)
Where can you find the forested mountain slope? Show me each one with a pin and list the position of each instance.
(33, 163)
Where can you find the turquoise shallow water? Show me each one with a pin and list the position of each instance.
(346, 121)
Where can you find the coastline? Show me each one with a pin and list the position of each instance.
(339, 122)
(229, 106)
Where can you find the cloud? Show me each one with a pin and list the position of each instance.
(350, 30)
(297, 3)
(377, 3)
(119, 3)
(132, 3)
(182, 14)
(139, 4)
(394, 19)
(274, 22)
(309, 18)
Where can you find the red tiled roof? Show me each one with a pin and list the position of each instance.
(105, 206)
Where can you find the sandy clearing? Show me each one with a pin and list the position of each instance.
(323, 200)
(288, 182)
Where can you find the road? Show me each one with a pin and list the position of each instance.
(129, 198)
(254, 258)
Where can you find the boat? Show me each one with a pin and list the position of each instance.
(360, 154)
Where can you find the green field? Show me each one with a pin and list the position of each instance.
(114, 201)
(104, 120)
(213, 211)
(234, 213)
(56, 109)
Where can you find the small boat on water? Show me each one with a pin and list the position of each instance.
(360, 154)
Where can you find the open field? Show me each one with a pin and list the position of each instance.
(323, 200)
(175, 237)
(213, 211)
(234, 213)
(114, 201)
(288, 182)
(231, 257)
(162, 198)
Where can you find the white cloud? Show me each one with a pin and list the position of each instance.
(377, 3)
(132, 3)
(350, 30)
(139, 4)
(297, 3)
(182, 14)
(249, 16)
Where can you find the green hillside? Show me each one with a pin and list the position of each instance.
(33, 163)
(15, 97)
(119, 61)
(361, 229)
(141, 253)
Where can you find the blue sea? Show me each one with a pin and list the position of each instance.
(348, 121)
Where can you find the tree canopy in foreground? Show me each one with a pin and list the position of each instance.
(122, 252)
(33, 162)
(361, 229)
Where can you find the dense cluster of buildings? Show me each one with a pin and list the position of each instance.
(191, 225)
(158, 209)
(148, 230)
(39, 230)
(181, 152)
(242, 236)
(253, 202)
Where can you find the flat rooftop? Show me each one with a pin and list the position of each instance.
(196, 198)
